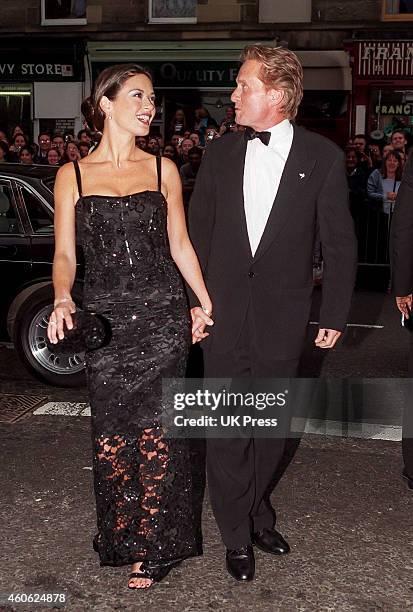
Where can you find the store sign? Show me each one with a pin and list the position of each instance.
(394, 109)
(390, 59)
(35, 72)
(186, 74)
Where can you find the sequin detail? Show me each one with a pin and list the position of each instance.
(142, 480)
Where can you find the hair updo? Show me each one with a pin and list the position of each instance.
(108, 83)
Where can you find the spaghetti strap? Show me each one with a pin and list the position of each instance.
(159, 170)
(78, 177)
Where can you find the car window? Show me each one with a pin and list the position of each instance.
(49, 183)
(40, 216)
(8, 219)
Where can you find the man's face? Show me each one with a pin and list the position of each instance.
(398, 140)
(44, 142)
(194, 160)
(59, 144)
(141, 142)
(351, 159)
(252, 99)
(359, 144)
(186, 145)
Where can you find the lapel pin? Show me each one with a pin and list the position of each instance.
(301, 175)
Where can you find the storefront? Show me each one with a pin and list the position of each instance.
(189, 75)
(41, 85)
(382, 87)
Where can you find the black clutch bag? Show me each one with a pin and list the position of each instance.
(90, 331)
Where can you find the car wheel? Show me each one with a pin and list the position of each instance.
(47, 363)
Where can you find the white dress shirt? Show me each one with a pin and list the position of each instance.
(264, 166)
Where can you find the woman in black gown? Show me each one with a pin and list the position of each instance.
(125, 207)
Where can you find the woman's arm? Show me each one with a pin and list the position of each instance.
(182, 250)
(374, 186)
(64, 262)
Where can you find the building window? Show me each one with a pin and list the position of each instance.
(172, 11)
(398, 10)
(63, 12)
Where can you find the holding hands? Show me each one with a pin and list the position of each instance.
(201, 317)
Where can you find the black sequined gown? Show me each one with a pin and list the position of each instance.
(142, 480)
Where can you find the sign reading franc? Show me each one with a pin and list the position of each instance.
(391, 59)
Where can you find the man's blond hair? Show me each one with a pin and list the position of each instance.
(280, 69)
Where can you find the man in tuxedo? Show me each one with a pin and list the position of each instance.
(258, 199)
(401, 254)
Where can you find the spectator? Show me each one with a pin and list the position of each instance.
(17, 130)
(68, 136)
(356, 176)
(141, 142)
(386, 149)
(26, 155)
(170, 152)
(375, 155)
(153, 146)
(398, 140)
(229, 115)
(194, 136)
(18, 141)
(58, 143)
(3, 137)
(178, 123)
(71, 152)
(84, 136)
(211, 133)
(383, 184)
(184, 149)
(45, 144)
(4, 150)
(83, 149)
(53, 157)
(189, 172)
(360, 144)
(177, 140)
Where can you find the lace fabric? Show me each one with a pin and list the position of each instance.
(142, 480)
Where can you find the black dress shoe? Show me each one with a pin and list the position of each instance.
(408, 480)
(241, 563)
(270, 541)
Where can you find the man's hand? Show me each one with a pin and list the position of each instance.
(326, 338)
(199, 320)
(404, 304)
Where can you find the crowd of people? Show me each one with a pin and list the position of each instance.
(184, 143)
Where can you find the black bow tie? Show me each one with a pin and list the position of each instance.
(265, 137)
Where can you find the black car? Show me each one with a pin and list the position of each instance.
(26, 256)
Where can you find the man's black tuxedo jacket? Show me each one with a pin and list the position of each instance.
(277, 282)
(401, 235)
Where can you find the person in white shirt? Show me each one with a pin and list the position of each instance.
(258, 199)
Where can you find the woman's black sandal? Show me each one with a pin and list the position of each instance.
(156, 573)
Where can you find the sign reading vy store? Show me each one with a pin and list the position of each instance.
(186, 74)
(16, 71)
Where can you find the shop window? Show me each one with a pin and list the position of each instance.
(172, 11)
(15, 105)
(8, 219)
(325, 112)
(397, 10)
(41, 218)
(390, 109)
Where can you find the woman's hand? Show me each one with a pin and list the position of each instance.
(200, 319)
(61, 314)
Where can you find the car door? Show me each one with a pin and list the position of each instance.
(15, 255)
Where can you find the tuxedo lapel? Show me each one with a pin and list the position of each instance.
(297, 170)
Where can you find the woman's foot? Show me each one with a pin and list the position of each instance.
(138, 579)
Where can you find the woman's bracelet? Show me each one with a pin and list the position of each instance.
(62, 301)
(206, 310)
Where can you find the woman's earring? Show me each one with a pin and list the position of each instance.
(110, 115)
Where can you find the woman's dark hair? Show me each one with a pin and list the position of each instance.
(13, 140)
(28, 149)
(399, 169)
(108, 83)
